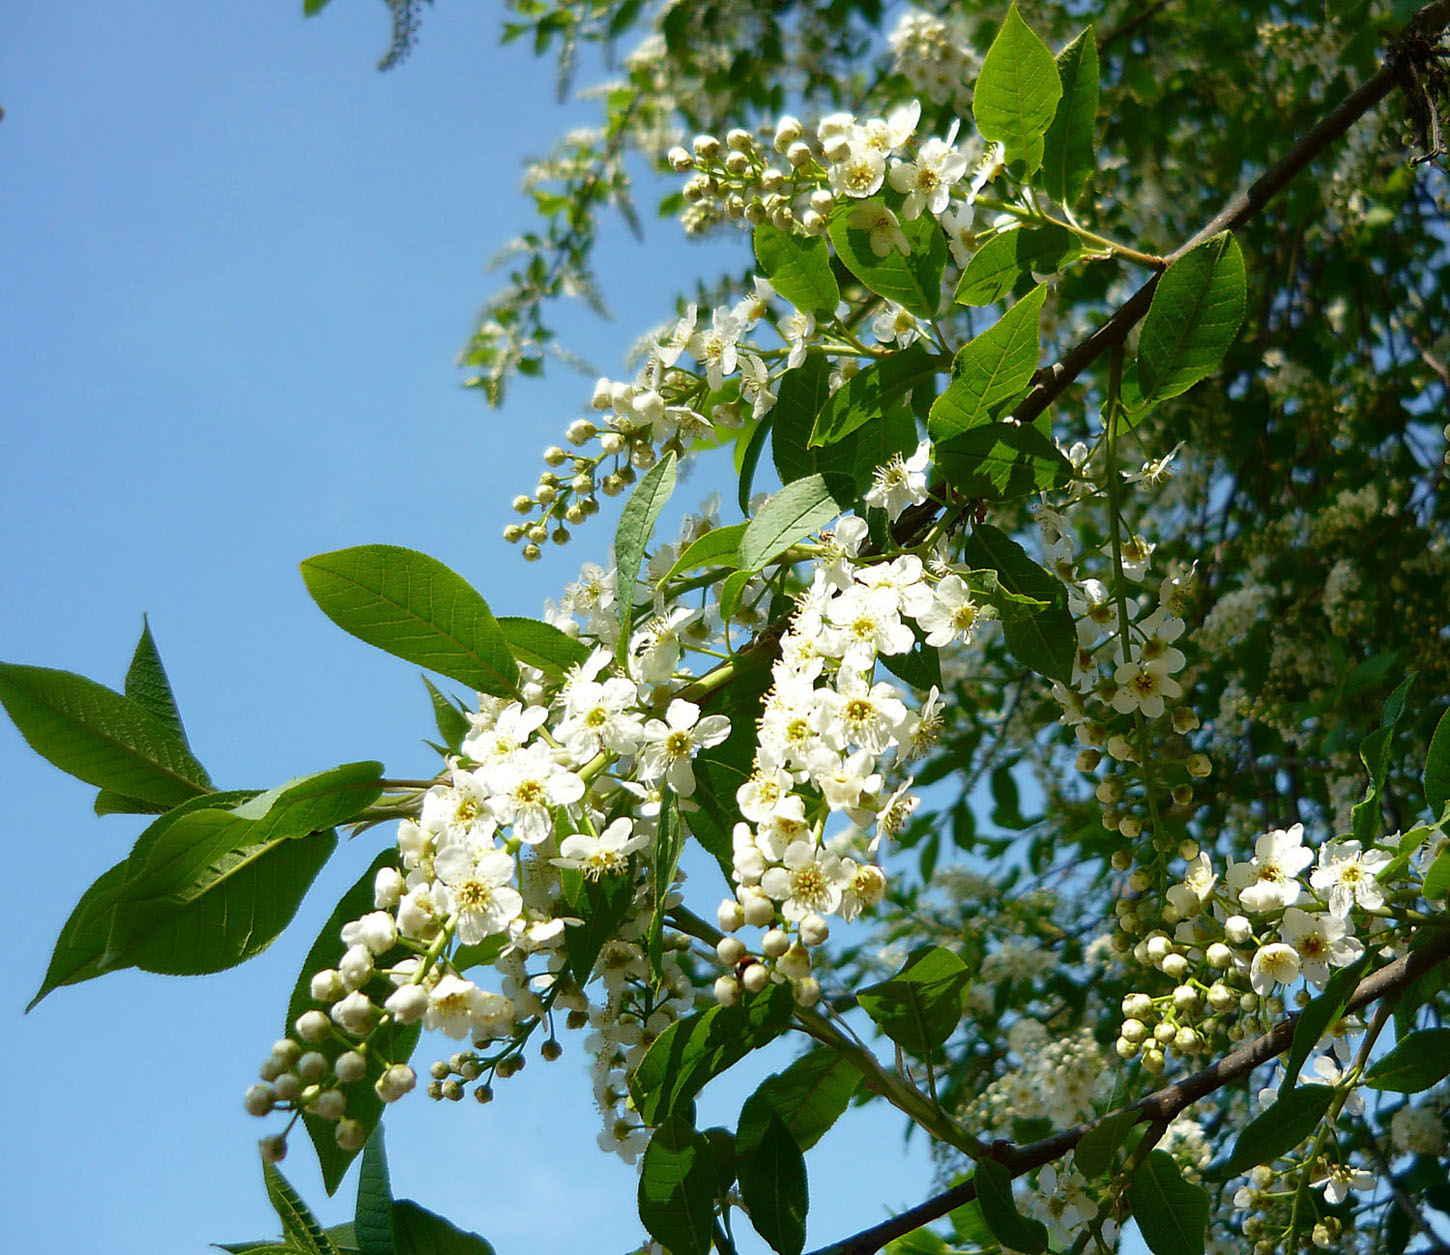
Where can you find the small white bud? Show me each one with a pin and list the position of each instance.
(407, 1003)
(706, 147)
(356, 968)
(730, 951)
(814, 930)
(1237, 929)
(395, 1082)
(727, 991)
(313, 1026)
(329, 1105)
(327, 986)
(288, 1087)
(274, 1148)
(807, 991)
(350, 1067)
(730, 915)
(774, 944)
(1219, 955)
(787, 131)
(755, 978)
(679, 160)
(388, 885)
(312, 1067)
(759, 911)
(259, 1100)
(799, 154)
(351, 1134)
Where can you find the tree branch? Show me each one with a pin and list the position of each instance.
(1159, 1107)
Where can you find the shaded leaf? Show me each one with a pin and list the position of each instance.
(808, 1097)
(1418, 1061)
(921, 1005)
(1323, 1012)
(1093, 1155)
(1278, 1129)
(999, 1209)
(870, 393)
(1046, 639)
(1172, 1213)
(632, 536)
(1068, 157)
(1437, 767)
(773, 1185)
(418, 1231)
(795, 512)
(542, 645)
(999, 461)
(677, 1188)
(912, 280)
(996, 266)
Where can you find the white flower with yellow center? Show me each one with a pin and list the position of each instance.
(475, 887)
(604, 855)
(1270, 880)
(1141, 686)
(882, 226)
(1322, 941)
(900, 483)
(928, 180)
(1274, 964)
(952, 615)
(811, 880)
(1346, 876)
(671, 744)
(527, 787)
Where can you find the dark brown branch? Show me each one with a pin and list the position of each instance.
(1159, 1107)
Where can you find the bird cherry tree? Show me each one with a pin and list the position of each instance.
(1056, 696)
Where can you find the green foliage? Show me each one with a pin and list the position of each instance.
(808, 1097)
(992, 371)
(1322, 1013)
(1172, 1213)
(692, 1051)
(101, 737)
(677, 1188)
(387, 1226)
(542, 645)
(921, 1005)
(773, 1186)
(999, 1209)
(1418, 1061)
(1005, 259)
(872, 393)
(633, 533)
(412, 606)
(1017, 92)
(795, 512)
(913, 278)
(1039, 632)
(1068, 145)
(1279, 1128)
(799, 268)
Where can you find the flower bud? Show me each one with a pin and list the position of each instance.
(807, 991)
(730, 915)
(727, 991)
(312, 1067)
(1237, 929)
(351, 1134)
(407, 1003)
(329, 1105)
(730, 951)
(274, 1148)
(759, 910)
(787, 131)
(799, 154)
(1175, 967)
(327, 985)
(1199, 766)
(350, 1067)
(774, 944)
(313, 1026)
(706, 148)
(1219, 955)
(679, 160)
(396, 1081)
(288, 1087)
(755, 978)
(356, 968)
(259, 1100)
(814, 930)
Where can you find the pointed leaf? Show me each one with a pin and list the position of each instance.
(1093, 1155)
(633, 533)
(808, 1097)
(774, 1188)
(1437, 767)
(1017, 92)
(999, 1209)
(1278, 1129)
(799, 268)
(870, 393)
(795, 512)
(147, 685)
(1418, 1061)
(299, 1225)
(1068, 156)
(999, 461)
(109, 802)
(100, 737)
(913, 279)
(701, 1046)
(542, 645)
(921, 1005)
(1196, 311)
(1046, 639)
(668, 846)
(1323, 1012)
(373, 1218)
(720, 546)
(994, 368)
(418, 1231)
(453, 724)
(996, 266)
(677, 1189)
(1172, 1213)
(414, 607)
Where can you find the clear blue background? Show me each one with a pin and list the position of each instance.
(235, 265)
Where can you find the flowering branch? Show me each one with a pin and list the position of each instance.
(1158, 1108)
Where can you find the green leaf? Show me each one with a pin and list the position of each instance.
(373, 1216)
(996, 266)
(100, 737)
(1418, 1061)
(677, 1189)
(719, 547)
(453, 724)
(669, 845)
(999, 461)
(1374, 753)
(1044, 640)
(994, 368)
(109, 802)
(1068, 157)
(870, 393)
(1172, 1213)
(386, 1046)
(921, 1005)
(919, 667)
(542, 645)
(1437, 878)
(912, 280)
(1196, 311)
(808, 1097)
(217, 886)
(1322, 1013)
(299, 1226)
(795, 512)
(693, 1050)
(82, 940)
(1277, 1130)
(311, 8)
(731, 592)
(412, 606)
(633, 533)
(921, 1241)
(748, 458)
(999, 1209)
(1017, 92)
(601, 905)
(1437, 767)
(147, 685)
(1093, 1155)
(799, 268)
(774, 1188)
(418, 1231)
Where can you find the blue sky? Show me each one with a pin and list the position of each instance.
(237, 264)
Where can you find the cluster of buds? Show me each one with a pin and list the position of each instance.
(740, 181)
